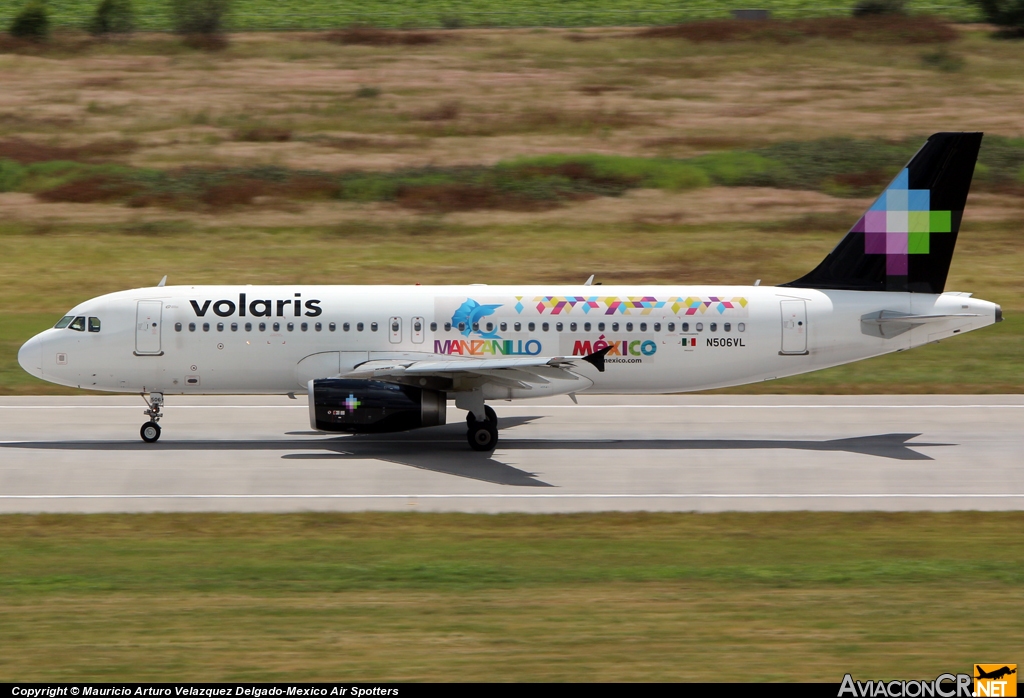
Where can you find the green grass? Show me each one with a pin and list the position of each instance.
(801, 596)
(837, 166)
(323, 14)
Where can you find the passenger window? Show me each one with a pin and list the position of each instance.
(248, 327)
(277, 327)
(263, 327)
(395, 326)
(586, 327)
(476, 326)
(629, 327)
(64, 322)
(671, 327)
(558, 326)
(206, 327)
(714, 326)
(504, 327)
(741, 327)
(462, 327)
(220, 326)
(94, 324)
(700, 327)
(318, 326)
(433, 327)
(359, 327)
(572, 326)
(447, 327)
(685, 327)
(290, 327)
(600, 327)
(234, 327)
(518, 326)
(417, 326)
(727, 327)
(78, 324)
(643, 326)
(332, 327)
(373, 327)
(345, 327)
(191, 327)
(531, 327)
(657, 327)
(545, 327)
(177, 327)
(304, 326)
(615, 327)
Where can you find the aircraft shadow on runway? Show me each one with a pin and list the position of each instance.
(444, 449)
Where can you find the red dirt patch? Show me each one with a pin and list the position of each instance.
(26, 152)
(922, 29)
(371, 36)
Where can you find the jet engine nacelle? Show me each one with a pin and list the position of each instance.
(366, 406)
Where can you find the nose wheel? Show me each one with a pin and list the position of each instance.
(482, 436)
(150, 431)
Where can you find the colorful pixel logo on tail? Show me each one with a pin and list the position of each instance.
(900, 223)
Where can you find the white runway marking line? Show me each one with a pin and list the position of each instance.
(516, 496)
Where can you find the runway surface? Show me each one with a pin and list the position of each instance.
(672, 453)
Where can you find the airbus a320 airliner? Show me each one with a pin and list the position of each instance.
(389, 358)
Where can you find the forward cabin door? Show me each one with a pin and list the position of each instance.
(147, 328)
(794, 327)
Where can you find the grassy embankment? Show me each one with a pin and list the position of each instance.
(616, 597)
(397, 144)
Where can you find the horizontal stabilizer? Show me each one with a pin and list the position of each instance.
(892, 323)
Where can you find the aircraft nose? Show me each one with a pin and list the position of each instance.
(30, 356)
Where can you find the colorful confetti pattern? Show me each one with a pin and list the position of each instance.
(636, 305)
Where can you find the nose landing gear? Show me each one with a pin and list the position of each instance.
(150, 431)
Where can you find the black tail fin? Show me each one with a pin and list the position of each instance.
(905, 241)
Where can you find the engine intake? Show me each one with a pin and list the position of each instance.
(365, 406)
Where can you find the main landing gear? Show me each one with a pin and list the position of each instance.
(482, 436)
(150, 431)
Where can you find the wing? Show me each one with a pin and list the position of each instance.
(512, 372)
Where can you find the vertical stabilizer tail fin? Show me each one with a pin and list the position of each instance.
(905, 241)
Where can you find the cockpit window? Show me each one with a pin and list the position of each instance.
(94, 324)
(64, 322)
(78, 324)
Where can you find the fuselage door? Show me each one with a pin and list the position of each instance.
(417, 330)
(794, 327)
(147, 328)
(395, 330)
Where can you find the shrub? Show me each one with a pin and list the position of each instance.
(452, 21)
(868, 8)
(32, 23)
(112, 17)
(1008, 14)
(199, 17)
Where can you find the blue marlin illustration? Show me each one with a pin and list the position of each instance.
(471, 312)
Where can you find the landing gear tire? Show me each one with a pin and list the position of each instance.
(488, 410)
(482, 436)
(150, 432)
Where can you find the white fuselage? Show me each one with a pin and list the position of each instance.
(199, 340)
